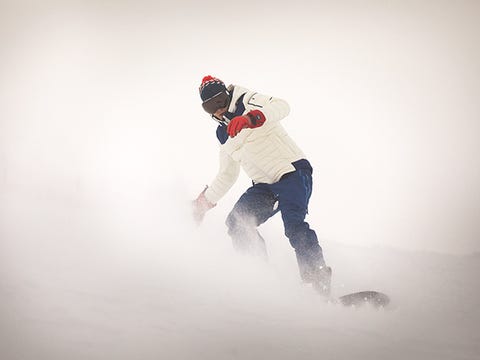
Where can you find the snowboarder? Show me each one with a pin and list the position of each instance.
(251, 135)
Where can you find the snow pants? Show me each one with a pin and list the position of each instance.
(257, 205)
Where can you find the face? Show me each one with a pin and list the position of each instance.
(220, 112)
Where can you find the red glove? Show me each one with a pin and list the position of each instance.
(253, 119)
(200, 206)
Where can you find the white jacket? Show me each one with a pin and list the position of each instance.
(265, 153)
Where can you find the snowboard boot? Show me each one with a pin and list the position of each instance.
(317, 275)
(321, 280)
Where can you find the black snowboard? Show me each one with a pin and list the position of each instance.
(374, 298)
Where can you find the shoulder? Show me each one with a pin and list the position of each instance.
(239, 93)
(251, 99)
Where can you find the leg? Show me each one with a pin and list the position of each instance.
(253, 208)
(294, 192)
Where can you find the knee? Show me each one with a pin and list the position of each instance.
(237, 222)
(300, 235)
(231, 221)
(296, 230)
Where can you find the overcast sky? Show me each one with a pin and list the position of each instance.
(99, 101)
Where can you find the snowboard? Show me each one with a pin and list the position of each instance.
(374, 298)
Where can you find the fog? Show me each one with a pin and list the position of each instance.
(103, 144)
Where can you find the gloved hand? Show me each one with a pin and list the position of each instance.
(200, 206)
(252, 119)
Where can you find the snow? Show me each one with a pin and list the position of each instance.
(75, 288)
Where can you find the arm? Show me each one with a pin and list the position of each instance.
(226, 177)
(273, 108)
(259, 109)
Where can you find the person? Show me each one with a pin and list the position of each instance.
(251, 137)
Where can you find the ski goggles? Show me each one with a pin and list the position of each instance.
(216, 102)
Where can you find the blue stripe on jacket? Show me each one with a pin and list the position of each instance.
(222, 134)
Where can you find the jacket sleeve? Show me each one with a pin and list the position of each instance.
(274, 109)
(227, 176)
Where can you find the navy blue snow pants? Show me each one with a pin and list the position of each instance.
(257, 205)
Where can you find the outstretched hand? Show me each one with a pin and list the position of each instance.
(200, 207)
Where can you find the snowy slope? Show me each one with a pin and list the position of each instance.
(73, 288)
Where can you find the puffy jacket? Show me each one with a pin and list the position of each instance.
(265, 153)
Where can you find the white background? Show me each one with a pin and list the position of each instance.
(384, 100)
